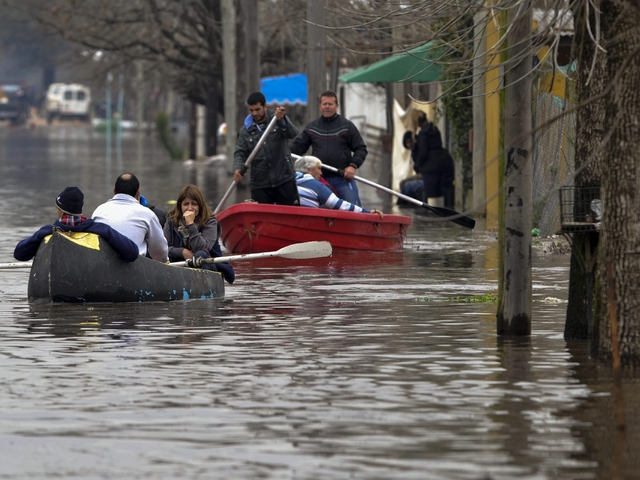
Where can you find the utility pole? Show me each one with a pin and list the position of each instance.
(247, 56)
(514, 311)
(316, 56)
(247, 72)
(228, 13)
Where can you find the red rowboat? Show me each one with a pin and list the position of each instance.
(257, 227)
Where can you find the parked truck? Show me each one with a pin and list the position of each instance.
(68, 100)
(12, 106)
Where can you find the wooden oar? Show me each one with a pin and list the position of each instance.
(255, 151)
(295, 251)
(447, 213)
(8, 266)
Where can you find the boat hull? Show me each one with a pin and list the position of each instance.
(254, 227)
(86, 269)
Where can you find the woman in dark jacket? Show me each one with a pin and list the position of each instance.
(434, 163)
(193, 231)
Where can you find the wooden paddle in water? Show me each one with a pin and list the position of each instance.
(295, 251)
(447, 213)
(7, 266)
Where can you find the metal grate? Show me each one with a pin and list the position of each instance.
(580, 209)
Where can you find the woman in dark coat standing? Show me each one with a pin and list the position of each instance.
(192, 231)
(434, 163)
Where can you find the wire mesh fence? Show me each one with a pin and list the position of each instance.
(553, 161)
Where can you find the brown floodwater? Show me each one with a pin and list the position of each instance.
(362, 365)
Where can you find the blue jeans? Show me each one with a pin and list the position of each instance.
(347, 189)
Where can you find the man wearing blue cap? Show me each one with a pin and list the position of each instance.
(69, 205)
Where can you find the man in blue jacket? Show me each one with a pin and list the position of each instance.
(336, 141)
(272, 177)
(70, 219)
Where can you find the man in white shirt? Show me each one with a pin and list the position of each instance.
(125, 214)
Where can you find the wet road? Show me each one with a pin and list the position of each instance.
(363, 365)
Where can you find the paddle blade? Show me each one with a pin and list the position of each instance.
(306, 250)
(297, 250)
(452, 215)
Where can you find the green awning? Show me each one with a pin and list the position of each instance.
(416, 65)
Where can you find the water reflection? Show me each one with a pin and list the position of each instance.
(354, 366)
(122, 321)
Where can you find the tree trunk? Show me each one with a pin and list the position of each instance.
(620, 234)
(514, 313)
(590, 130)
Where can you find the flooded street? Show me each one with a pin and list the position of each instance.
(359, 366)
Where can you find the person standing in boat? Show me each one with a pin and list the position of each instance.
(69, 205)
(336, 141)
(272, 177)
(124, 213)
(192, 231)
(313, 193)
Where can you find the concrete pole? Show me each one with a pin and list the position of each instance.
(316, 56)
(228, 13)
(514, 310)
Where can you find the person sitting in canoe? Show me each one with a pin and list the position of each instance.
(160, 213)
(70, 219)
(192, 231)
(124, 213)
(314, 194)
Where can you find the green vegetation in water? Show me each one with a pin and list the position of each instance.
(488, 298)
(102, 126)
(163, 128)
(424, 300)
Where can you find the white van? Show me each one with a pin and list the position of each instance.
(68, 100)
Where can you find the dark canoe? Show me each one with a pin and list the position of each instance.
(256, 227)
(84, 268)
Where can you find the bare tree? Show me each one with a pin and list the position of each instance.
(179, 39)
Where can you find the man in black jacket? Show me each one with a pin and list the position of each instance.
(272, 177)
(336, 142)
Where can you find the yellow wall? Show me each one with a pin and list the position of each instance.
(493, 124)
